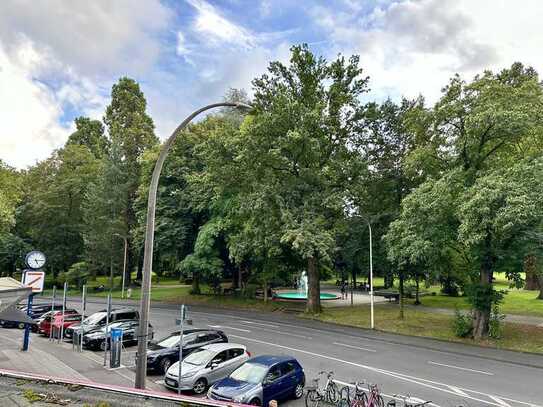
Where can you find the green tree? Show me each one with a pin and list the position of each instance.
(132, 130)
(10, 195)
(90, 133)
(296, 149)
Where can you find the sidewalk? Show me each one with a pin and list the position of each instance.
(59, 360)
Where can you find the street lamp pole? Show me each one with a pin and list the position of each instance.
(145, 302)
(371, 277)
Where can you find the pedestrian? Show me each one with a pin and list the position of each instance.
(344, 290)
(129, 293)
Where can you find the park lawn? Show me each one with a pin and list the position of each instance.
(516, 337)
(519, 302)
(181, 295)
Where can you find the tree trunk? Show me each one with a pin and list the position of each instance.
(353, 277)
(313, 289)
(530, 268)
(482, 316)
(540, 277)
(401, 297)
(235, 273)
(195, 283)
(417, 297)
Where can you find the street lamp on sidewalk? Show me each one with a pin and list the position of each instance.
(125, 239)
(372, 325)
(145, 302)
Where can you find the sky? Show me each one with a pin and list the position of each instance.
(59, 59)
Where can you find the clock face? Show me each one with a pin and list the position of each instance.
(35, 260)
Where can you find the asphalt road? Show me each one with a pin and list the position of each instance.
(447, 374)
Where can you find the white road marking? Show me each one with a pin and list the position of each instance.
(258, 323)
(354, 347)
(499, 401)
(228, 327)
(460, 368)
(458, 391)
(422, 382)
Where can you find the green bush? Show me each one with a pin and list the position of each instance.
(495, 326)
(462, 324)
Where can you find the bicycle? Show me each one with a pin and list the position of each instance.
(373, 398)
(359, 394)
(330, 392)
(405, 399)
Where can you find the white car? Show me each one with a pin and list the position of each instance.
(205, 366)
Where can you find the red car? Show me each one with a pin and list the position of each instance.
(70, 317)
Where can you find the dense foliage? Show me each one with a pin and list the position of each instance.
(452, 191)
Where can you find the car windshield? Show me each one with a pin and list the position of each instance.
(199, 357)
(250, 372)
(112, 325)
(94, 318)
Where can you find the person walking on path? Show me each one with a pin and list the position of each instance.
(344, 290)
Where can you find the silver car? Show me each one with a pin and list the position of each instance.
(205, 366)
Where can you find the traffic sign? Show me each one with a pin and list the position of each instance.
(35, 280)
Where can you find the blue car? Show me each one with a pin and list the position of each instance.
(260, 380)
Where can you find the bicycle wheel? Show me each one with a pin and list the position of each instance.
(378, 401)
(312, 398)
(364, 399)
(332, 393)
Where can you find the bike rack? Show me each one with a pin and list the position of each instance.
(388, 396)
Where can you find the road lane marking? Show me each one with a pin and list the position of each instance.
(258, 323)
(228, 327)
(354, 347)
(458, 391)
(401, 376)
(500, 401)
(460, 368)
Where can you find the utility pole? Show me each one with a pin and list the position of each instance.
(145, 301)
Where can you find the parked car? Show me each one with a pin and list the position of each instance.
(98, 320)
(163, 353)
(205, 366)
(96, 339)
(260, 380)
(46, 323)
(38, 310)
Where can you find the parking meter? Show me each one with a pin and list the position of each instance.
(116, 341)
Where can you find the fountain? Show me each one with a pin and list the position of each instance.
(301, 293)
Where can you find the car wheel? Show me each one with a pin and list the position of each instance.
(21, 325)
(200, 386)
(165, 365)
(255, 402)
(298, 391)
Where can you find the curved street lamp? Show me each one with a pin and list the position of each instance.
(145, 302)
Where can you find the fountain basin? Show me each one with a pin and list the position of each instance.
(297, 296)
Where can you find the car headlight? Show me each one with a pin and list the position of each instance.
(239, 399)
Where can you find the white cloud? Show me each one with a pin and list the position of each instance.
(58, 57)
(29, 113)
(414, 47)
(217, 28)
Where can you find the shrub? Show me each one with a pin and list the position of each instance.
(462, 324)
(495, 326)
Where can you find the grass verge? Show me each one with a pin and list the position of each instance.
(516, 337)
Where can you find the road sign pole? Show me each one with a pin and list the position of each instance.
(27, 325)
(83, 311)
(63, 311)
(52, 312)
(107, 327)
(180, 372)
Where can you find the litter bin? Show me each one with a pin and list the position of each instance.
(116, 341)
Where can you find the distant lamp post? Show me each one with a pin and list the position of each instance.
(372, 325)
(141, 360)
(125, 239)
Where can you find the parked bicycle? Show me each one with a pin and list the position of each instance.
(329, 393)
(406, 402)
(373, 397)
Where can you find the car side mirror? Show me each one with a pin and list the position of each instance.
(214, 364)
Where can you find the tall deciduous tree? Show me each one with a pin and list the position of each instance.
(132, 130)
(90, 133)
(297, 151)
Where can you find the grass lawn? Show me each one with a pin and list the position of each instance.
(418, 323)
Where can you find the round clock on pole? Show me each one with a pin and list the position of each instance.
(35, 260)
